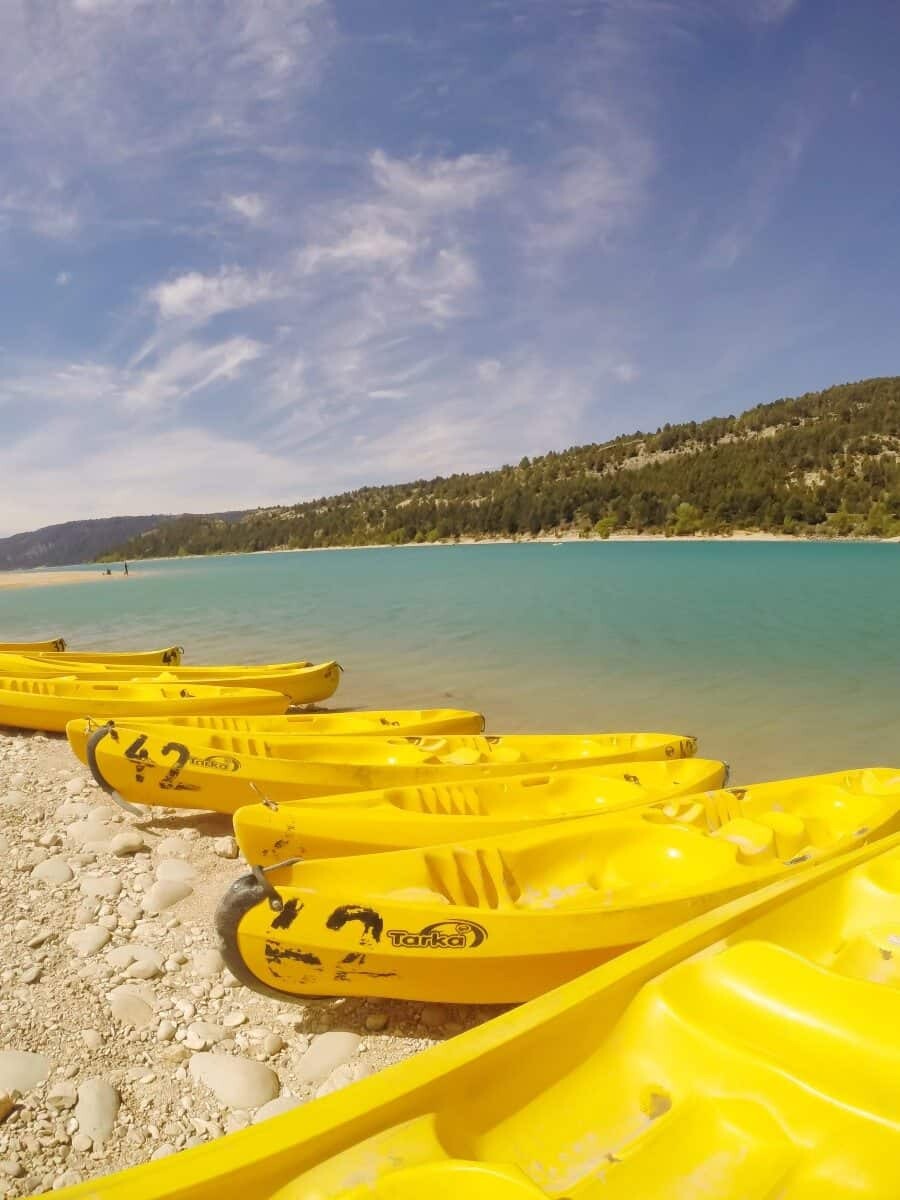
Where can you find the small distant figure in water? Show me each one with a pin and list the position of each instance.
(108, 571)
(125, 565)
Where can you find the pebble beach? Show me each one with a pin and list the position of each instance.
(123, 1038)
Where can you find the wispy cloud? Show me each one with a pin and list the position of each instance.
(198, 298)
(773, 11)
(159, 389)
(442, 184)
(250, 205)
(767, 170)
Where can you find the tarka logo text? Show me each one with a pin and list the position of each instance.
(442, 935)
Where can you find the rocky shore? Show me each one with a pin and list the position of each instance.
(122, 1036)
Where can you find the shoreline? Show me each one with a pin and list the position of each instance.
(738, 537)
(38, 577)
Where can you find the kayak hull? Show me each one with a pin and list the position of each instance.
(365, 722)
(402, 818)
(225, 772)
(51, 704)
(736, 1052)
(168, 656)
(50, 646)
(304, 683)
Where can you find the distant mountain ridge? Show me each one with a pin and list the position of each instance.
(78, 541)
(823, 464)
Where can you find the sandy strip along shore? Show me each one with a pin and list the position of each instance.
(114, 995)
(29, 579)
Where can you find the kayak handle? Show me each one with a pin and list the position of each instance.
(92, 743)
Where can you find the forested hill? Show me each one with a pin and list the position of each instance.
(71, 542)
(826, 464)
(80, 541)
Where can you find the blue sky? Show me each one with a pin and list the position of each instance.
(255, 251)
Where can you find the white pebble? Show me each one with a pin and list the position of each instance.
(88, 941)
(20, 1070)
(235, 1082)
(53, 870)
(129, 841)
(326, 1052)
(97, 886)
(164, 894)
(97, 1109)
(207, 963)
(275, 1108)
(131, 1005)
(176, 869)
(173, 847)
(61, 1096)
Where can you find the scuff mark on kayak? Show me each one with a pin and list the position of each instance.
(288, 914)
(371, 921)
(276, 953)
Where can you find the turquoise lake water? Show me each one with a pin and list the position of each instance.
(784, 658)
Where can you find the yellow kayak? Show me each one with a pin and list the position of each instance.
(305, 683)
(403, 817)
(224, 771)
(51, 646)
(749, 1054)
(169, 656)
(51, 703)
(502, 919)
(362, 722)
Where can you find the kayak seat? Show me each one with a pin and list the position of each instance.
(439, 799)
(835, 1033)
(873, 955)
(716, 1146)
(410, 1161)
(472, 879)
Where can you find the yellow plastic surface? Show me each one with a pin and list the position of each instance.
(502, 919)
(223, 771)
(168, 656)
(364, 722)
(51, 703)
(426, 814)
(751, 1054)
(305, 683)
